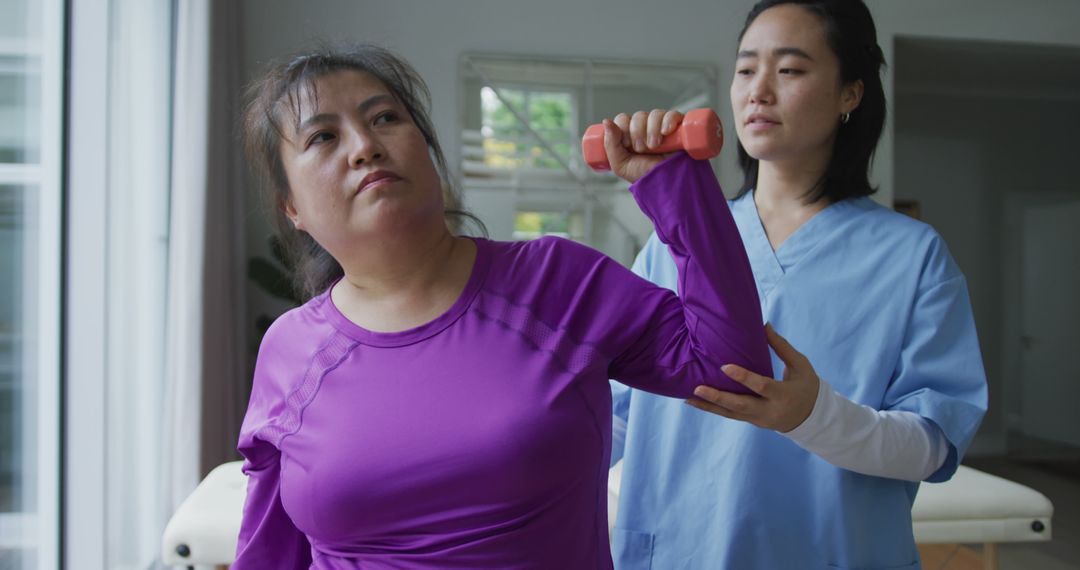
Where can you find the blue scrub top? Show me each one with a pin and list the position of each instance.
(880, 308)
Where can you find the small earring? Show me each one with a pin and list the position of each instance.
(844, 118)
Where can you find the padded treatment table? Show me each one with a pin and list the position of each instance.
(977, 507)
(972, 507)
(203, 531)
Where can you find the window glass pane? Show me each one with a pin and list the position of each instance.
(12, 497)
(531, 225)
(20, 20)
(18, 381)
(513, 119)
(20, 109)
(29, 234)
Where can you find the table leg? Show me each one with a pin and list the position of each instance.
(989, 556)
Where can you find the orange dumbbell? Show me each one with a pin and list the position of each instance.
(700, 134)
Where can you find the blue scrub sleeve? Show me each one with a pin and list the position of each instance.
(940, 374)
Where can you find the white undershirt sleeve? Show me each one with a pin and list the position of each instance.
(618, 438)
(884, 443)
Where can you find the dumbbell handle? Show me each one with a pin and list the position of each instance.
(700, 134)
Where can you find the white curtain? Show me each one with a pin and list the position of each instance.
(187, 221)
(205, 358)
(137, 142)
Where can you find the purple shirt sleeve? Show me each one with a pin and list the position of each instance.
(268, 538)
(717, 318)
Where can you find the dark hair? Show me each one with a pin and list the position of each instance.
(277, 97)
(852, 36)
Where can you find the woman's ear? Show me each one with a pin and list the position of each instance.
(850, 96)
(293, 215)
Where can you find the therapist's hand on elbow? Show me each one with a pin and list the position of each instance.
(783, 406)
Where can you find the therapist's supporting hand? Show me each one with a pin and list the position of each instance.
(783, 406)
(629, 138)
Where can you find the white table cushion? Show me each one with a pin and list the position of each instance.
(208, 521)
(975, 507)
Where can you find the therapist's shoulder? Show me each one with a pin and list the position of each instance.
(916, 243)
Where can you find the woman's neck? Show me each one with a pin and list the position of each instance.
(389, 265)
(404, 284)
(780, 197)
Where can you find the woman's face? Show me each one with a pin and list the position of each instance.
(786, 93)
(358, 167)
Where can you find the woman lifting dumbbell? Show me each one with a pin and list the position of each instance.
(887, 386)
(443, 401)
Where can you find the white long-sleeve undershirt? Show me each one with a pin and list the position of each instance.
(885, 443)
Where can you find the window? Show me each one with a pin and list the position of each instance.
(30, 133)
(515, 120)
(531, 225)
(522, 121)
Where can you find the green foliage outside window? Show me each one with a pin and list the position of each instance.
(509, 144)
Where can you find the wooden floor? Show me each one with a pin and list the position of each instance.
(950, 557)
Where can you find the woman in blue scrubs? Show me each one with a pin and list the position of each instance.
(881, 380)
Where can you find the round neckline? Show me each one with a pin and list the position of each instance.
(421, 332)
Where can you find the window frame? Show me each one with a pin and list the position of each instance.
(85, 371)
(38, 530)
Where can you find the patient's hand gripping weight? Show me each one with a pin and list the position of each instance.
(700, 134)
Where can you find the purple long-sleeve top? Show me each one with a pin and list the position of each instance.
(481, 439)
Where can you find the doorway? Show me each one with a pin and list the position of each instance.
(985, 138)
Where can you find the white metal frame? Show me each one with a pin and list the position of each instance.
(86, 289)
(50, 285)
